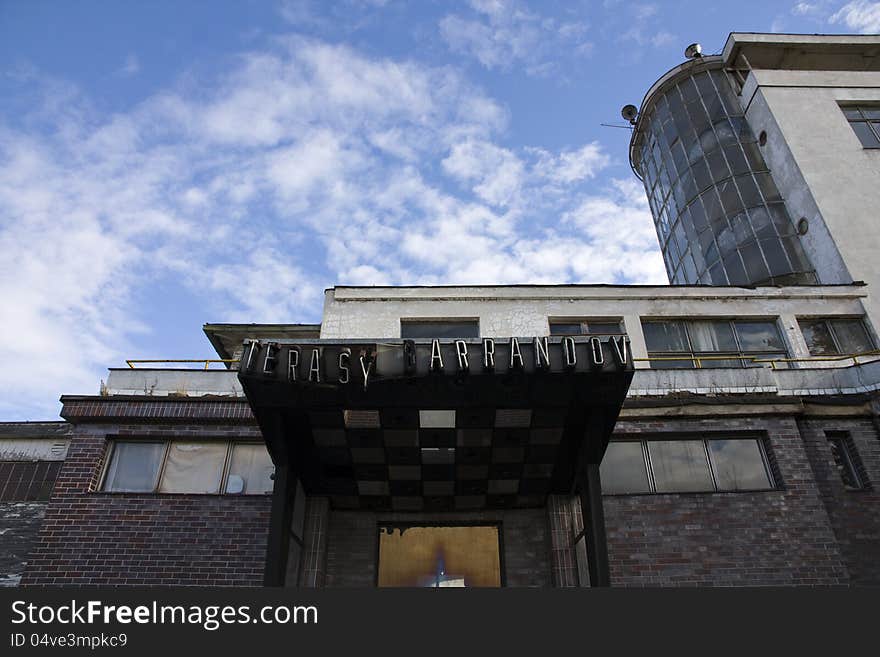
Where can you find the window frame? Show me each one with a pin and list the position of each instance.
(704, 438)
(696, 357)
(829, 325)
(166, 443)
(873, 125)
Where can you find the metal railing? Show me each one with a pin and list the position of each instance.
(207, 361)
(774, 362)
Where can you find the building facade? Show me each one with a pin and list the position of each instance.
(722, 430)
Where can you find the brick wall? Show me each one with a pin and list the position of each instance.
(855, 515)
(352, 544)
(90, 537)
(781, 537)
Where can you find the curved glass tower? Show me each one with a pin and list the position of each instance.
(718, 213)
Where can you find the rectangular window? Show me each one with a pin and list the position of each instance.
(623, 468)
(685, 465)
(680, 466)
(206, 467)
(846, 459)
(134, 467)
(836, 336)
(712, 343)
(586, 327)
(439, 328)
(250, 470)
(865, 122)
(195, 467)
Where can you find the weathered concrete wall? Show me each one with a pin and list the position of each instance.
(20, 524)
(821, 168)
(527, 310)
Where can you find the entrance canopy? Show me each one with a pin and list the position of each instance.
(437, 425)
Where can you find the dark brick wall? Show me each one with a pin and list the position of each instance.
(855, 515)
(90, 537)
(352, 546)
(781, 537)
(20, 524)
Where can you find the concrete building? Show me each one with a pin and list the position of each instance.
(761, 163)
(717, 431)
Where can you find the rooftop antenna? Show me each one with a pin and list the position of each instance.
(693, 51)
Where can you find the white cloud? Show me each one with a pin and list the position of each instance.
(861, 15)
(304, 165)
(501, 34)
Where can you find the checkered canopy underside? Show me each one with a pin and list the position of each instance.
(406, 459)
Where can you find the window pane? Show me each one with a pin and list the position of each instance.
(623, 469)
(604, 328)
(758, 336)
(872, 113)
(738, 465)
(865, 134)
(680, 466)
(560, 328)
(851, 336)
(439, 329)
(134, 467)
(712, 336)
(843, 460)
(250, 470)
(193, 468)
(818, 337)
(665, 336)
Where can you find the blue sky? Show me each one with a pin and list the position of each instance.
(166, 164)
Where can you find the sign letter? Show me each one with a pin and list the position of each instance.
(436, 357)
(344, 358)
(461, 352)
(569, 353)
(488, 354)
(315, 367)
(292, 363)
(542, 353)
(516, 359)
(598, 357)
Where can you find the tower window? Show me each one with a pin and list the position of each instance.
(849, 466)
(865, 122)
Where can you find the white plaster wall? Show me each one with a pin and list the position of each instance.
(525, 311)
(821, 169)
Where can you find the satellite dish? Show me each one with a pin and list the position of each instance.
(693, 51)
(630, 112)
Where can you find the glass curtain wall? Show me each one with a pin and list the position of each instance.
(718, 213)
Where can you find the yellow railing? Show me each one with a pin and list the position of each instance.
(757, 359)
(207, 361)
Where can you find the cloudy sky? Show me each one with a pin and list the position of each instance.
(167, 164)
